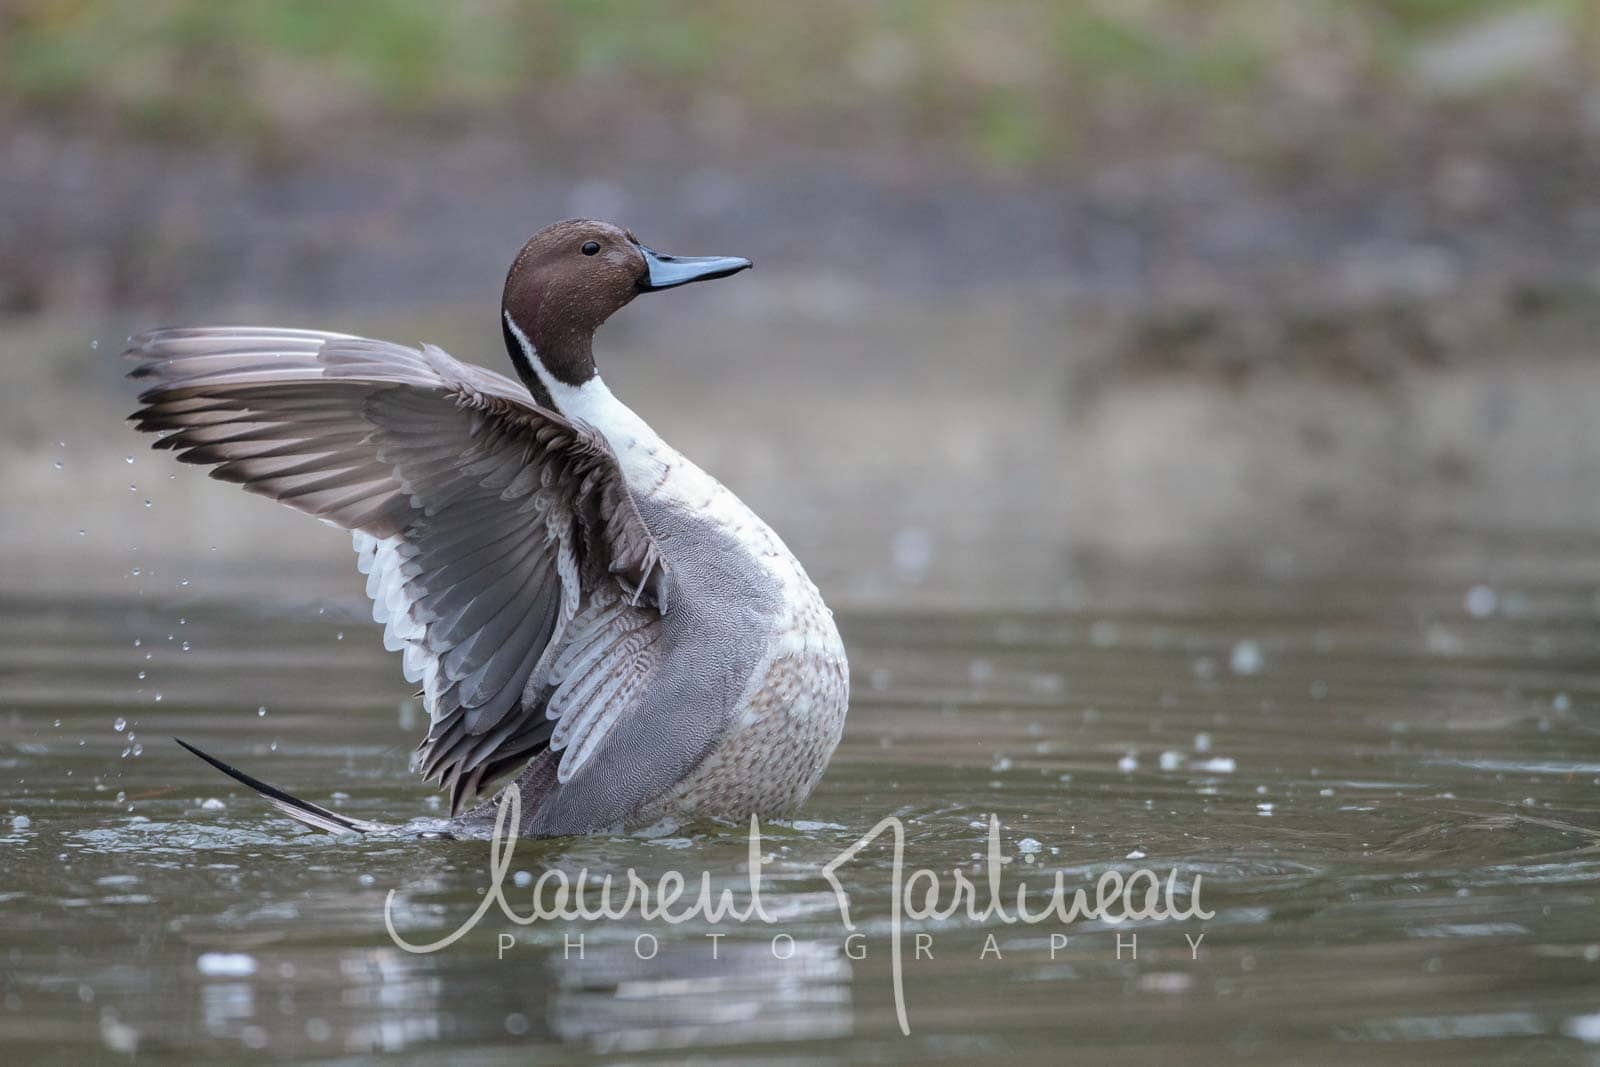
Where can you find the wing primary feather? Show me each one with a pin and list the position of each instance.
(505, 555)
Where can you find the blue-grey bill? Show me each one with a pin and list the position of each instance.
(669, 272)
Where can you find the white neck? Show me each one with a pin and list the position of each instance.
(639, 449)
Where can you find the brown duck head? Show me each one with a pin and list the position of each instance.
(572, 276)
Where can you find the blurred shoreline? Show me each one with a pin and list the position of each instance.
(374, 154)
(101, 224)
(988, 452)
(1040, 290)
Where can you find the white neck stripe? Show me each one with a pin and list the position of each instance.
(546, 379)
(630, 437)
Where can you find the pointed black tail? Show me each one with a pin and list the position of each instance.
(314, 816)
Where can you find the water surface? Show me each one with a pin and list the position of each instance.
(1387, 784)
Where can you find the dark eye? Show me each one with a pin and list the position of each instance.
(590, 247)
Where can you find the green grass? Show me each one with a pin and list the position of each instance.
(1013, 83)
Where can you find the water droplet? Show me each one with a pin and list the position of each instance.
(184, 646)
(261, 712)
(912, 551)
(137, 642)
(1044, 683)
(120, 725)
(158, 698)
(1246, 658)
(1481, 601)
(339, 636)
(95, 343)
(132, 488)
(82, 532)
(136, 573)
(128, 459)
(58, 464)
(212, 804)
(147, 503)
(183, 581)
(141, 676)
(274, 746)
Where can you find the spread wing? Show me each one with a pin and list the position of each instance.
(503, 550)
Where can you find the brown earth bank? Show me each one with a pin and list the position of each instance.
(1377, 205)
(991, 450)
(940, 382)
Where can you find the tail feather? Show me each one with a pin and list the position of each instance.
(312, 815)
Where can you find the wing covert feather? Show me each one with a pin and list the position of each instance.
(503, 551)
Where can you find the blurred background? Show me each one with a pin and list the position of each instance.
(1189, 407)
(1232, 285)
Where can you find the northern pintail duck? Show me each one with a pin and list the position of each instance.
(585, 609)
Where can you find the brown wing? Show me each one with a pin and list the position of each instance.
(502, 546)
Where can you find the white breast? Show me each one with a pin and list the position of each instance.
(655, 470)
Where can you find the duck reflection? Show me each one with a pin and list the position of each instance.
(684, 995)
(360, 1000)
(622, 991)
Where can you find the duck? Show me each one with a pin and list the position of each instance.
(594, 621)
